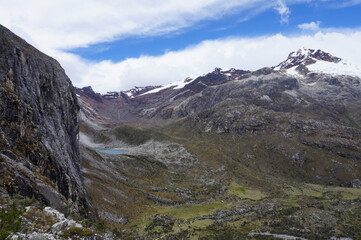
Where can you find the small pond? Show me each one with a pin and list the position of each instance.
(110, 151)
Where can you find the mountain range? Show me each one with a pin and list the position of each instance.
(211, 144)
(234, 154)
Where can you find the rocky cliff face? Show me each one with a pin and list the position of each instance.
(39, 152)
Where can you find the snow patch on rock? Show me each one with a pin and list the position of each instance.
(292, 71)
(174, 85)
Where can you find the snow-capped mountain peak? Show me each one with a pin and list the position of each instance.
(304, 61)
(306, 57)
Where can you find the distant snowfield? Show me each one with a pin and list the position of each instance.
(341, 68)
(174, 85)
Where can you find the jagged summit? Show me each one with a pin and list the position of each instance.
(305, 61)
(306, 57)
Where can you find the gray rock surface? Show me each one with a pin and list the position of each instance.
(39, 126)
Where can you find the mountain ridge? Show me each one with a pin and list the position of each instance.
(297, 59)
(299, 67)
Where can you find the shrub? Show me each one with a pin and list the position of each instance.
(77, 231)
(10, 220)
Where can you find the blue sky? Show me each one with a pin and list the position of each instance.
(118, 44)
(329, 14)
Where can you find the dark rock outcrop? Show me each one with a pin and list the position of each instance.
(39, 151)
(90, 92)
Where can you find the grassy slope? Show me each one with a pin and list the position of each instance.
(261, 160)
(248, 169)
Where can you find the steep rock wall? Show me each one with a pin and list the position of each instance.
(39, 151)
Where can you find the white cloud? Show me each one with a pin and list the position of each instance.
(312, 26)
(241, 53)
(67, 24)
(283, 10)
